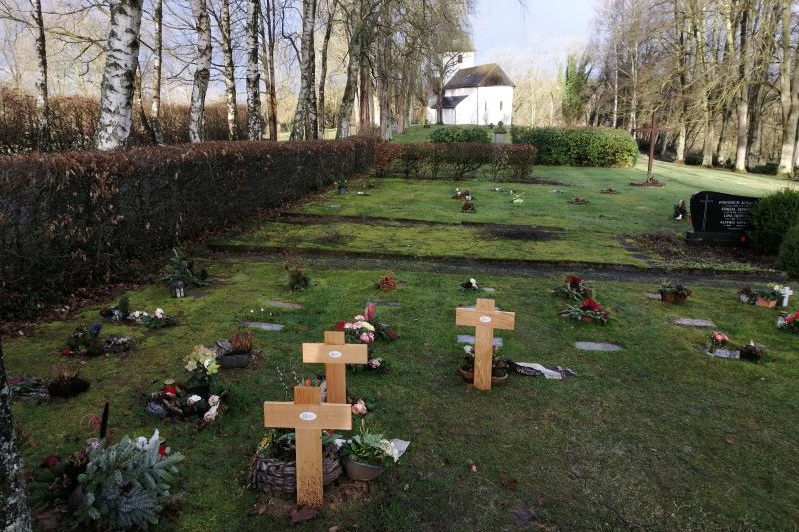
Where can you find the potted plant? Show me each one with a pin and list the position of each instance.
(202, 365)
(789, 322)
(237, 351)
(716, 341)
(674, 293)
(274, 467)
(768, 297)
(747, 296)
(753, 352)
(587, 311)
(499, 365)
(179, 273)
(66, 383)
(366, 455)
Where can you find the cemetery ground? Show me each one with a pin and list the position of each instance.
(657, 435)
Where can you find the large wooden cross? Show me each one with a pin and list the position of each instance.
(335, 354)
(307, 415)
(485, 318)
(653, 131)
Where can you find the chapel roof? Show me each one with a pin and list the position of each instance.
(448, 102)
(489, 75)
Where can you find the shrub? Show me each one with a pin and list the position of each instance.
(789, 251)
(771, 218)
(602, 147)
(461, 134)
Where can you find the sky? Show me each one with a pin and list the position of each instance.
(547, 29)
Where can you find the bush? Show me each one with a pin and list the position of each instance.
(771, 218)
(600, 147)
(461, 134)
(789, 251)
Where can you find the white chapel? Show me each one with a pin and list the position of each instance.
(476, 95)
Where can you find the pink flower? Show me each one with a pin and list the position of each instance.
(374, 363)
(359, 407)
(369, 312)
(367, 338)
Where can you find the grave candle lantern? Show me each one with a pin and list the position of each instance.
(177, 288)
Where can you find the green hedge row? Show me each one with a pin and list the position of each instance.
(602, 147)
(453, 160)
(462, 134)
(70, 220)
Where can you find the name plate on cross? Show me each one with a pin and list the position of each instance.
(484, 318)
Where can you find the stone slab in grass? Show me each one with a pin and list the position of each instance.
(333, 207)
(283, 304)
(726, 353)
(469, 339)
(393, 304)
(653, 296)
(262, 326)
(489, 289)
(597, 346)
(692, 322)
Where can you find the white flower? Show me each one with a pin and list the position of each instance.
(141, 443)
(193, 399)
(153, 443)
(213, 400)
(159, 313)
(211, 414)
(359, 317)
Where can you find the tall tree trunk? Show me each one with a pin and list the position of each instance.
(365, 94)
(268, 61)
(305, 125)
(789, 93)
(615, 119)
(202, 72)
(158, 52)
(230, 71)
(742, 103)
(331, 11)
(42, 97)
(14, 513)
(255, 125)
(116, 96)
(351, 85)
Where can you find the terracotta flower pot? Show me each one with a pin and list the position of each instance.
(498, 376)
(360, 470)
(763, 302)
(671, 297)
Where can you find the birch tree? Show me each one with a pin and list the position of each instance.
(306, 125)
(202, 72)
(223, 22)
(158, 50)
(116, 95)
(268, 36)
(789, 91)
(255, 128)
(14, 513)
(42, 96)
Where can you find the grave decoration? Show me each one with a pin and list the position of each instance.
(768, 296)
(367, 453)
(468, 206)
(716, 342)
(87, 342)
(179, 273)
(335, 353)
(718, 345)
(653, 131)
(307, 415)
(237, 351)
(387, 282)
(608, 191)
(174, 402)
(753, 352)
(587, 311)
(464, 194)
(680, 211)
(470, 284)
(157, 320)
(674, 293)
(365, 329)
(788, 322)
(499, 365)
(66, 383)
(484, 317)
(28, 387)
(575, 288)
(578, 201)
(720, 218)
(539, 370)
(119, 312)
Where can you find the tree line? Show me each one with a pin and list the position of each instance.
(723, 75)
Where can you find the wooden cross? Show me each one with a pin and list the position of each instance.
(653, 132)
(485, 318)
(307, 415)
(335, 354)
(786, 293)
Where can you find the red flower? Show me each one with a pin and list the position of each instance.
(369, 312)
(573, 280)
(789, 319)
(162, 450)
(590, 304)
(51, 461)
(66, 352)
(339, 326)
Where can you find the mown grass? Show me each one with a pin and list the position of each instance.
(658, 435)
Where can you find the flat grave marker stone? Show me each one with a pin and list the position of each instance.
(262, 326)
(597, 346)
(692, 322)
(284, 304)
(469, 339)
(389, 304)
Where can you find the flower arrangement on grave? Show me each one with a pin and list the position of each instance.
(203, 368)
(788, 322)
(499, 364)
(768, 296)
(119, 312)
(517, 198)
(717, 340)
(87, 342)
(387, 282)
(588, 310)
(66, 383)
(273, 466)
(174, 401)
(367, 447)
(237, 351)
(464, 194)
(27, 386)
(468, 206)
(674, 292)
(573, 287)
(753, 352)
(180, 268)
(157, 320)
(747, 296)
(470, 284)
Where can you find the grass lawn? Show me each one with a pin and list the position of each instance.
(658, 435)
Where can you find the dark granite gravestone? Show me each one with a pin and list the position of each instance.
(720, 218)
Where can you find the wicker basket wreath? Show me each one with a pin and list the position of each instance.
(273, 475)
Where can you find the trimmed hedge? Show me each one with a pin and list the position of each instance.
(771, 218)
(449, 134)
(453, 160)
(73, 219)
(602, 147)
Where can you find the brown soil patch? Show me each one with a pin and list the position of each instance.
(523, 232)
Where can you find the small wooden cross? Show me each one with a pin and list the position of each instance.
(485, 318)
(335, 354)
(308, 416)
(786, 293)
